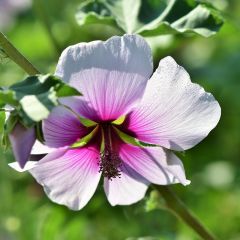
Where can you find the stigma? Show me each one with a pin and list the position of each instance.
(110, 163)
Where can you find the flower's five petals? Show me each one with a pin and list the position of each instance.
(62, 128)
(115, 71)
(174, 112)
(155, 164)
(22, 140)
(166, 112)
(127, 189)
(69, 176)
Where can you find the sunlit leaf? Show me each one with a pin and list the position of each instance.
(153, 17)
(94, 12)
(35, 97)
(7, 97)
(125, 12)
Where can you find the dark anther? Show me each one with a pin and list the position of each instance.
(110, 164)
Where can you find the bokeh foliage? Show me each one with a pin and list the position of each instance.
(213, 166)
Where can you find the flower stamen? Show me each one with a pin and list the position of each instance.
(110, 162)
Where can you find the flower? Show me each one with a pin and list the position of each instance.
(123, 127)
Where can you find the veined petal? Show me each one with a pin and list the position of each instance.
(69, 176)
(155, 164)
(174, 113)
(111, 75)
(22, 140)
(128, 189)
(62, 128)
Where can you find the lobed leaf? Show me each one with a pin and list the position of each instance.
(153, 17)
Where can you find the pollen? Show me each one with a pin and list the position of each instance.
(110, 164)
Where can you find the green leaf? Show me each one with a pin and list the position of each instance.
(66, 91)
(7, 97)
(201, 19)
(40, 84)
(94, 12)
(125, 12)
(35, 97)
(153, 17)
(38, 107)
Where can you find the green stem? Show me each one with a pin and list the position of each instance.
(43, 16)
(179, 209)
(16, 56)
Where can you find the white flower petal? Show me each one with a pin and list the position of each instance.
(128, 189)
(111, 75)
(174, 113)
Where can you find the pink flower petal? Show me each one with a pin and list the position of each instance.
(126, 190)
(22, 140)
(157, 165)
(111, 75)
(69, 176)
(174, 113)
(62, 128)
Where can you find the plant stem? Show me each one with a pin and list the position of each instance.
(43, 16)
(179, 209)
(16, 56)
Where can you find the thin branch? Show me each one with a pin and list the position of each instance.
(16, 56)
(179, 209)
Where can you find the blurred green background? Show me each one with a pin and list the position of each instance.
(213, 166)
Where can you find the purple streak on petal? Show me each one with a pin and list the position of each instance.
(108, 94)
(174, 112)
(62, 128)
(22, 140)
(69, 176)
(111, 75)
